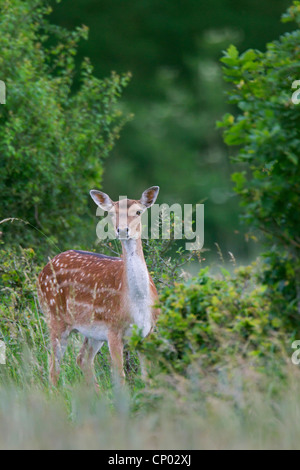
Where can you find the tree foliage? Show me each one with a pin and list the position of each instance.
(267, 132)
(52, 141)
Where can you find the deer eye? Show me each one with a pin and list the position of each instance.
(138, 212)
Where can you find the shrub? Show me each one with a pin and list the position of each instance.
(267, 132)
(52, 139)
(213, 322)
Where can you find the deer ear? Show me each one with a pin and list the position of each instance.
(149, 196)
(102, 200)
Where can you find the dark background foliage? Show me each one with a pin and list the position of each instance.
(172, 49)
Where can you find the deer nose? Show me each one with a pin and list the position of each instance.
(122, 232)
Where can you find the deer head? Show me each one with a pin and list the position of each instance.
(126, 213)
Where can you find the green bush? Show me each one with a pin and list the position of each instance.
(214, 321)
(22, 328)
(52, 140)
(267, 131)
(18, 274)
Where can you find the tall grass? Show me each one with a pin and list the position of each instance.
(205, 416)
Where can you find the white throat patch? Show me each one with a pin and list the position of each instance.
(139, 287)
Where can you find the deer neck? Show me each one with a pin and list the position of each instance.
(136, 272)
(138, 283)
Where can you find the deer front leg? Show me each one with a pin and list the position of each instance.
(115, 344)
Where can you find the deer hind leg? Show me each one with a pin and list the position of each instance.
(115, 344)
(86, 356)
(143, 366)
(59, 344)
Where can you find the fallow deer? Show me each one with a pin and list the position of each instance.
(101, 296)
